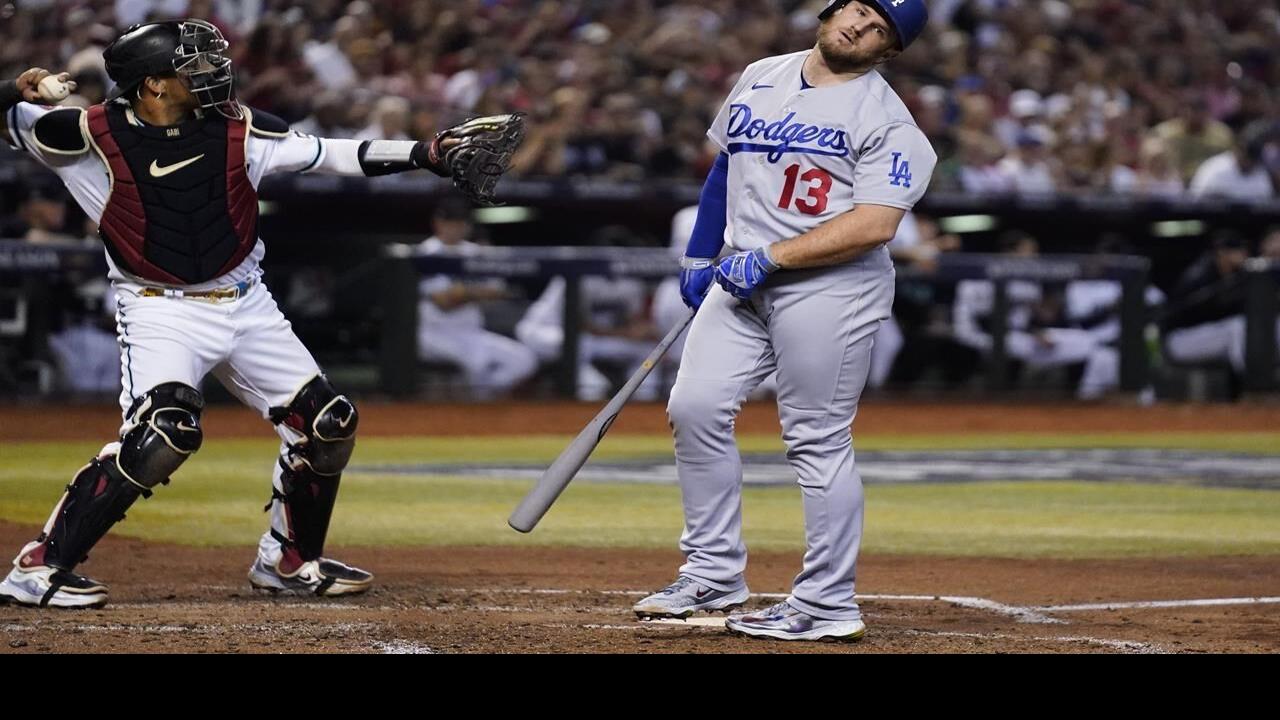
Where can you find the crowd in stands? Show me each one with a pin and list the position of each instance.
(1159, 98)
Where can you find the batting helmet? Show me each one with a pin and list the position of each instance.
(193, 49)
(908, 17)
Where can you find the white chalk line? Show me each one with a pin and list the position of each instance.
(246, 602)
(1126, 645)
(1149, 604)
(401, 647)
(394, 646)
(1027, 614)
(300, 629)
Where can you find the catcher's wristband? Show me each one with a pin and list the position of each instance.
(10, 95)
(427, 156)
(695, 263)
(387, 157)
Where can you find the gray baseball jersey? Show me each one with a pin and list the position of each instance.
(799, 156)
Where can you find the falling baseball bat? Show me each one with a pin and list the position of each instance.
(557, 477)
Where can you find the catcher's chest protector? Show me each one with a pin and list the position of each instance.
(181, 210)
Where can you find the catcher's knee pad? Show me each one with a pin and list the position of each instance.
(327, 423)
(165, 431)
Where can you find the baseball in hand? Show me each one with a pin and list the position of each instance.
(53, 90)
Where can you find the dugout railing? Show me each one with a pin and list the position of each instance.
(403, 268)
(32, 274)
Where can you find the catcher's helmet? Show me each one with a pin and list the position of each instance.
(142, 51)
(193, 49)
(908, 17)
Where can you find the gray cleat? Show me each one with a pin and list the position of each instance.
(783, 622)
(686, 596)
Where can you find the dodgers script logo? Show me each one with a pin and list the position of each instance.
(782, 136)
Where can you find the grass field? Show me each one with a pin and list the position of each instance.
(216, 499)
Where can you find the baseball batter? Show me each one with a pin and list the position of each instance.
(169, 167)
(819, 162)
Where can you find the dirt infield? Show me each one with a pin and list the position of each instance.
(100, 422)
(476, 599)
(467, 600)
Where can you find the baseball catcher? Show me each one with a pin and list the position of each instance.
(169, 166)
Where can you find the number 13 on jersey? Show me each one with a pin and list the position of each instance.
(812, 199)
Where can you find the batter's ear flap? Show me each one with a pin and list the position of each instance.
(264, 124)
(59, 132)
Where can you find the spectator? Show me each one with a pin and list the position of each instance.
(1237, 174)
(979, 172)
(1030, 169)
(390, 120)
(1156, 177)
(649, 73)
(1193, 136)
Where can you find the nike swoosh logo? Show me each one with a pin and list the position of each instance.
(702, 593)
(758, 86)
(157, 171)
(344, 422)
(187, 428)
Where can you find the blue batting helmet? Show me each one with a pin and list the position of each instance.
(908, 17)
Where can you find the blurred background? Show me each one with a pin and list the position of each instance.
(1103, 222)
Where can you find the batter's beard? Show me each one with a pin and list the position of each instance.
(841, 58)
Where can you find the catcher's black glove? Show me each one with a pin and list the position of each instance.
(479, 158)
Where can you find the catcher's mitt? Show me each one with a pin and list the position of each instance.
(481, 156)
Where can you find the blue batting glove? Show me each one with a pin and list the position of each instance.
(696, 275)
(740, 274)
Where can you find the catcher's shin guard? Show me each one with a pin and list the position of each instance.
(310, 469)
(96, 499)
(163, 430)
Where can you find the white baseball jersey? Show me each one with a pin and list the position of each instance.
(86, 178)
(801, 155)
(244, 340)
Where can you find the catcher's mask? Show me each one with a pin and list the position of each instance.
(191, 49)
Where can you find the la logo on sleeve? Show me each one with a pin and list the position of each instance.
(900, 174)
